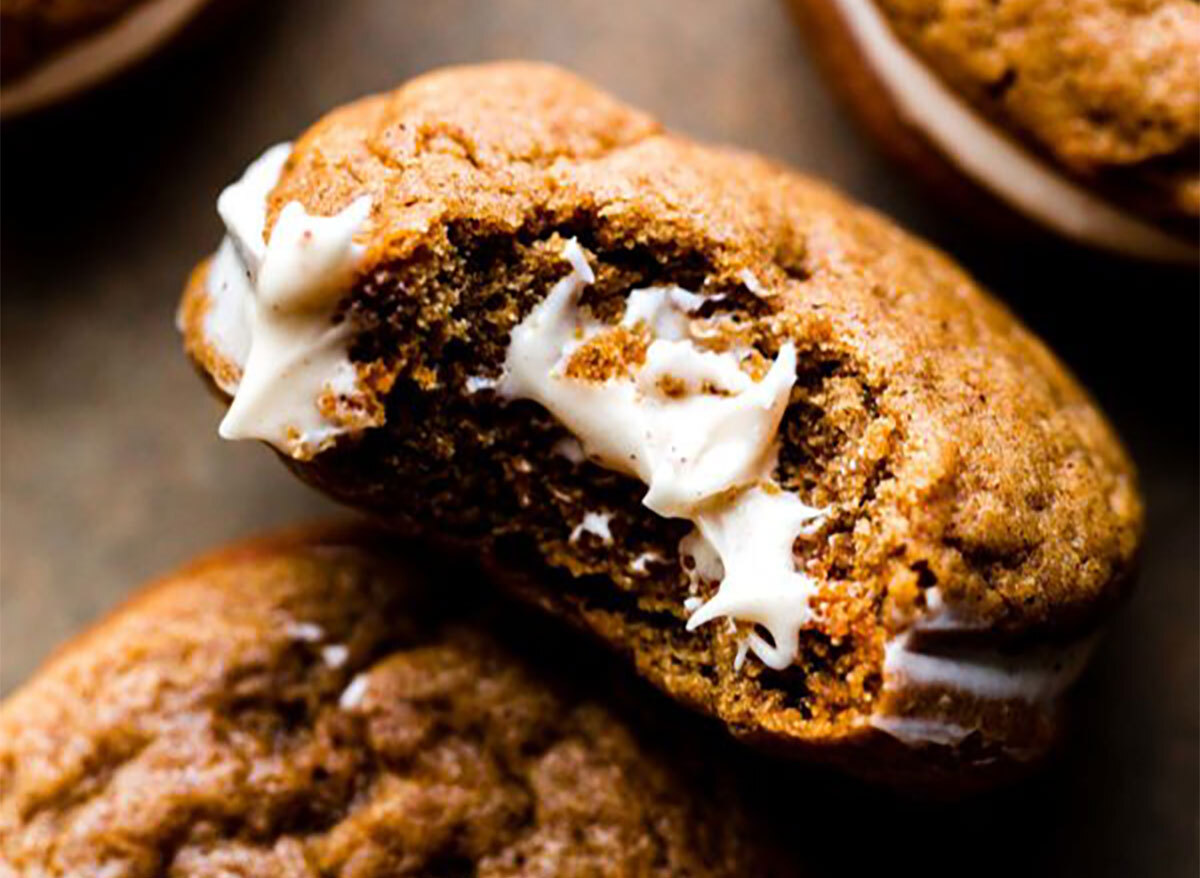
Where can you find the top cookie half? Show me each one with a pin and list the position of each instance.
(754, 434)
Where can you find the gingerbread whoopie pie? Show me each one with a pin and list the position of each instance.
(313, 704)
(792, 462)
(1080, 115)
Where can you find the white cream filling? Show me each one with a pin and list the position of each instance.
(1036, 676)
(305, 631)
(595, 523)
(226, 328)
(915, 731)
(984, 153)
(335, 654)
(697, 429)
(352, 696)
(271, 314)
(754, 536)
(941, 616)
(477, 383)
(640, 564)
(570, 449)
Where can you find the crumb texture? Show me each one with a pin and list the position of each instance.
(302, 708)
(1111, 88)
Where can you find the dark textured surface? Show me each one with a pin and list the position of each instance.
(112, 471)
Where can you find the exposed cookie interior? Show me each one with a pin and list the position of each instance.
(613, 426)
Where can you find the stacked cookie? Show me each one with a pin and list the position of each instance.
(50, 51)
(792, 465)
(1081, 115)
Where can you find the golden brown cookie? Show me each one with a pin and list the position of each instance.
(791, 462)
(1081, 116)
(311, 705)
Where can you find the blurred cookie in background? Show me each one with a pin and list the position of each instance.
(1082, 116)
(53, 49)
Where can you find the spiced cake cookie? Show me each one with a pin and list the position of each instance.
(313, 704)
(1081, 115)
(788, 459)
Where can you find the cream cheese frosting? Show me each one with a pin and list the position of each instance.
(1036, 676)
(697, 429)
(988, 156)
(272, 313)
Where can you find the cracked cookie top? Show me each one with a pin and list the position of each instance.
(307, 705)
